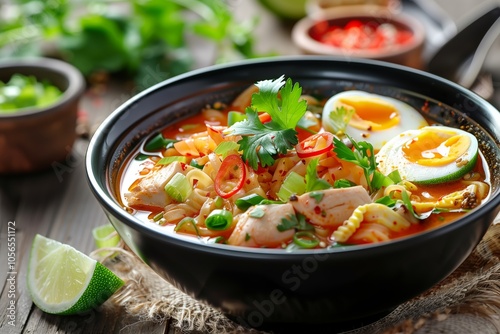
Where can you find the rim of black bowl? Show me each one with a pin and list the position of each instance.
(98, 179)
(76, 82)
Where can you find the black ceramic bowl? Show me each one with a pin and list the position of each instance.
(262, 286)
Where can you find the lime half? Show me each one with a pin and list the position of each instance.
(62, 280)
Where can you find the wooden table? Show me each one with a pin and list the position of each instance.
(58, 204)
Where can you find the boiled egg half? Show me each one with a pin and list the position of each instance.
(430, 155)
(373, 118)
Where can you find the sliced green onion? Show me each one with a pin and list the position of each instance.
(387, 201)
(178, 188)
(226, 147)
(379, 180)
(189, 127)
(219, 202)
(158, 142)
(247, 201)
(158, 216)
(235, 117)
(141, 157)
(195, 164)
(395, 176)
(219, 220)
(169, 160)
(305, 239)
(187, 224)
(294, 184)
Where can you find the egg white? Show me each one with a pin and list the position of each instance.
(409, 119)
(391, 157)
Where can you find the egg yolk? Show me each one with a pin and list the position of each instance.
(435, 148)
(371, 113)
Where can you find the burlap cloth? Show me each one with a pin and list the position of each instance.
(468, 301)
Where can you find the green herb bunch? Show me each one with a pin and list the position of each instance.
(144, 39)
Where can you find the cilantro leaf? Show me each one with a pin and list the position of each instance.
(313, 182)
(362, 155)
(343, 183)
(262, 142)
(317, 195)
(266, 98)
(286, 112)
(339, 118)
(294, 222)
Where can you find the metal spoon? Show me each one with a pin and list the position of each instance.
(460, 59)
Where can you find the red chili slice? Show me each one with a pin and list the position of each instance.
(232, 169)
(315, 145)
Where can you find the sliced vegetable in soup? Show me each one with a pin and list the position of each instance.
(281, 169)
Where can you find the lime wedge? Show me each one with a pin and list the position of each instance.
(62, 280)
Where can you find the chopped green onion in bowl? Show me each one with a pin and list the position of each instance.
(24, 91)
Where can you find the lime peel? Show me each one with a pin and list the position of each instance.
(62, 280)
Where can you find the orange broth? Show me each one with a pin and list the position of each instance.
(134, 169)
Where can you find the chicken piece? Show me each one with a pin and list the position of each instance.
(331, 207)
(149, 191)
(252, 231)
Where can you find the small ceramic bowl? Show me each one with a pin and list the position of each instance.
(33, 139)
(319, 35)
(315, 7)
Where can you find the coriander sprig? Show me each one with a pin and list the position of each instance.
(262, 142)
(362, 155)
(340, 118)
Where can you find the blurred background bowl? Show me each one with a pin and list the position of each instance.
(314, 34)
(31, 138)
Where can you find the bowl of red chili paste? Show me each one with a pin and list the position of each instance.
(371, 32)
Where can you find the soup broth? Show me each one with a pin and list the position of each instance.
(279, 169)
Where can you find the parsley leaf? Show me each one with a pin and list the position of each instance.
(313, 182)
(262, 142)
(362, 155)
(339, 119)
(343, 183)
(294, 222)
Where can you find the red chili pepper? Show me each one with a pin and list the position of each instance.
(356, 34)
(315, 145)
(233, 169)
